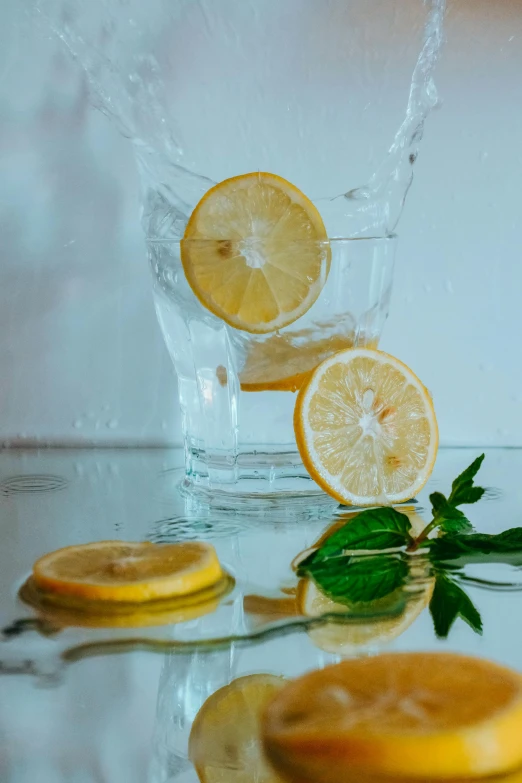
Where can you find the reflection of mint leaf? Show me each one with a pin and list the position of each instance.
(462, 489)
(376, 528)
(449, 518)
(361, 578)
(476, 545)
(447, 603)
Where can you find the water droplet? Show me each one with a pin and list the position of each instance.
(483, 155)
(427, 288)
(448, 286)
(78, 424)
(112, 424)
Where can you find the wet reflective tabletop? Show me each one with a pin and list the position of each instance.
(82, 703)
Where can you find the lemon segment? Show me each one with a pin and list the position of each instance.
(128, 572)
(366, 428)
(224, 744)
(255, 252)
(406, 716)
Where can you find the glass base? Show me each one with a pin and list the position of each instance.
(261, 475)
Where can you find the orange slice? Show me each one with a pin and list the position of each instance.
(255, 252)
(366, 428)
(128, 572)
(224, 743)
(409, 716)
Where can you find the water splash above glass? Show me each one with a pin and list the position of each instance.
(313, 92)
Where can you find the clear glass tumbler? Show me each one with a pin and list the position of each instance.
(237, 389)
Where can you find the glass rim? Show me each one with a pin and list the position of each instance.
(328, 241)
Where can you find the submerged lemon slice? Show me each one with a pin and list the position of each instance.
(366, 428)
(224, 743)
(409, 716)
(255, 252)
(284, 362)
(128, 572)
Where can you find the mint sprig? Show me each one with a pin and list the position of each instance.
(446, 516)
(374, 529)
(360, 578)
(355, 564)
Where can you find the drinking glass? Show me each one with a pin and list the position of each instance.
(237, 390)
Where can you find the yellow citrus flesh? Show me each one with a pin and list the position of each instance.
(409, 716)
(255, 252)
(224, 743)
(128, 572)
(65, 610)
(366, 428)
(285, 362)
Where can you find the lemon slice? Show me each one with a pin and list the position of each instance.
(284, 362)
(366, 428)
(125, 571)
(224, 743)
(409, 716)
(255, 252)
(65, 610)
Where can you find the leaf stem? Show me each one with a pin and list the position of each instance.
(415, 544)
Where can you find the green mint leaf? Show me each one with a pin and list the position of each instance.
(448, 602)
(477, 546)
(305, 564)
(376, 528)
(449, 519)
(462, 489)
(356, 579)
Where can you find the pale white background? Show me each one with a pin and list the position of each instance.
(81, 356)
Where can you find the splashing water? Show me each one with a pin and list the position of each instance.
(304, 89)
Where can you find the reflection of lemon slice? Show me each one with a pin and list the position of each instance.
(366, 428)
(281, 363)
(224, 743)
(255, 252)
(344, 639)
(62, 610)
(128, 572)
(409, 716)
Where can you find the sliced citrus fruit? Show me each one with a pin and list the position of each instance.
(65, 610)
(413, 716)
(126, 571)
(255, 252)
(224, 743)
(284, 363)
(366, 428)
